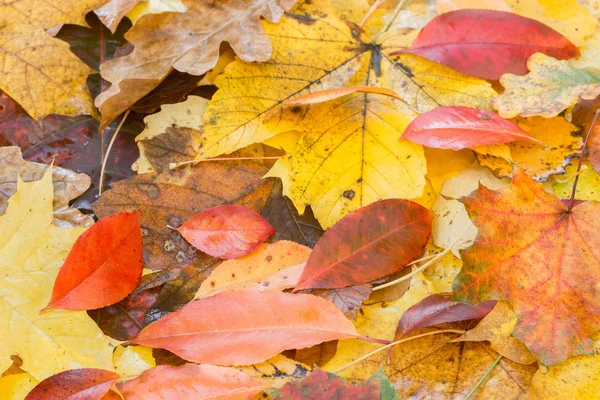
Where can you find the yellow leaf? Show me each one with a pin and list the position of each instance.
(276, 371)
(549, 88)
(46, 14)
(16, 386)
(561, 144)
(274, 266)
(155, 7)
(32, 250)
(497, 328)
(133, 360)
(588, 185)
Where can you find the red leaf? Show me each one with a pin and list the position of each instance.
(226, 231)
(103, 267)
(368, 244)
(458, 127)
(487, 43)
(191, 381)
(81, 384)
(246, 327)
(439, 309)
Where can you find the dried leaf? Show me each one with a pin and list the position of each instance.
(114, 11)
(84, 383)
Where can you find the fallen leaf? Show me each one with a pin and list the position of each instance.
(437, 309)
(275, 266)
(16, 386)
(136, 74)
(173, 89)
(155, 7)
(321, 385)
(550, 87)
(317, 355)
(583, 114)
(191, 381)
(368, 244)
(458, 128)
(522, 263)
(202, 332)
(114, 11)
(133, 360)
(226, 231)
(588, 184)
(444, 6)
(276, 371)
(348, 299)
(31, 251)
(488, 43)
(497, 328)
(562, 143)
(103, 267)
(84, 383)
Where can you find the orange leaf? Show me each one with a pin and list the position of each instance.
(368, 244)
(543, 258)
(84, 384)
(103, 267)
(191, 381)
(226, 231)
(246, 327)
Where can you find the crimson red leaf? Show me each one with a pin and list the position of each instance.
(458, 127)
(246, 327)
(438, 309)
(368, 244)
(81, 384)
(103, 267)
(226, 231)
(488, 43)
(191, 381)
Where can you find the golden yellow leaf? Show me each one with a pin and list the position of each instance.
(32, 250)
(274, 266)
(276, 371)
(133, 360)
(16, 386)
(188, 42)
(155, 7)
(46, 14)
(539, 161)
(497, 328)
(549, 88)
(588, 185)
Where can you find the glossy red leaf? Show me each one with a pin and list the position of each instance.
(246, 327)
(191, 381)
(104, 265)
(458, 128)
(439, 309)
(368, 244)
(226, 231)
(488, 43)
(80, 384)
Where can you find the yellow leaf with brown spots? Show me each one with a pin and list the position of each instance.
(46, 14)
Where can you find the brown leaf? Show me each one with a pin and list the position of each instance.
(188, 42)
(348, 299)
(114, 11)
(317, 355)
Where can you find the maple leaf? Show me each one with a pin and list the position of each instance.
(31, 252)
(549, 88)
(544, 260)
(191, 40)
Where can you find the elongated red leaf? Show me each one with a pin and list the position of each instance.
(246, 327)
(83, 384)
(191, 381)
(439, 309)
(368, 244)
(458, 128)
(488, 43)
(103, 267)
(226, 231)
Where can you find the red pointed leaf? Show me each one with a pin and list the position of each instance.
(368, 244)
(458, 128)
(246, 327)
(103, 267)
(81, 384)
(439, 309)
(191, 381)
(226, 231)
(488, 43)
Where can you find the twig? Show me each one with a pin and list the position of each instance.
(110, 145)
(484, 377)
(587, 137)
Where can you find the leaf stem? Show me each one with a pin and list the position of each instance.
(387, 346)
(484, 377)
(368, 15)
(180, 164)
(110, 145)
(394, 16)
(587, 137)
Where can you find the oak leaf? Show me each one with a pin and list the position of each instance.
(31, 251)
(544, 260)
(87, 383)
(246, 327)
(550, 87)
(192, 39)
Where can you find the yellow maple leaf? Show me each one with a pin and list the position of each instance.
(32, 250)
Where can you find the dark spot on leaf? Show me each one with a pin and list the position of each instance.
(349, 194)
(269, 258)
(406, 69)
(296, 109)
(302, 18)
(485, 116)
